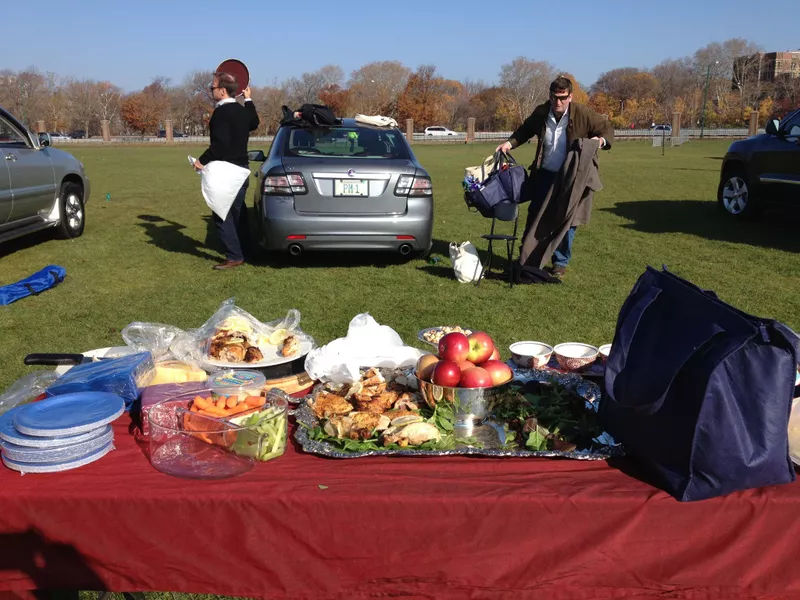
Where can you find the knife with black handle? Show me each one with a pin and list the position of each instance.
(55, 359)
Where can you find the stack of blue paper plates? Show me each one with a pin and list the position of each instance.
(59, 433)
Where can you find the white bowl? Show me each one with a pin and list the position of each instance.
(572, 356)
(530, 355)
(604, 351)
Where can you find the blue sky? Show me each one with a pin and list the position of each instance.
(129, 43)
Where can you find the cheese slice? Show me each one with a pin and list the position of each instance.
(175, 371)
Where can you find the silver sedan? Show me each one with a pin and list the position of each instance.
(40, 187)
(347, 187)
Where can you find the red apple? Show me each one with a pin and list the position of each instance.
(446, 373)
(454, 346)
(495, 355)
(464, 365)
(425, 366)
(476, 377)
(481, 347)
(499, 371)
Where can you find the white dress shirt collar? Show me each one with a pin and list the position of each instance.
(224, 101)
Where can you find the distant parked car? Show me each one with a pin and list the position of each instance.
(175, 134)
(79, 134)
(40, 186)
(762, 170)
(316, 193)
(438, 131)
(659, 128)
(59, 137)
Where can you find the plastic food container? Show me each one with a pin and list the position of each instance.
(191, 445)
(237, 383)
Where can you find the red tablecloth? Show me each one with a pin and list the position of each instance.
(451, 527)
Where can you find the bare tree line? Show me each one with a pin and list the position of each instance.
(629, 96)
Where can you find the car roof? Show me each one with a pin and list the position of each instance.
(345, 123)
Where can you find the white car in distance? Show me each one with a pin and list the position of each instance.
(438, 131)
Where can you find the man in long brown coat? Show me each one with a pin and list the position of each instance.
(557, 123)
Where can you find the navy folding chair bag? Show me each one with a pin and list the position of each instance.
(698, 391)
(33, 285)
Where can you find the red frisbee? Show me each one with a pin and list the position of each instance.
(239, 70)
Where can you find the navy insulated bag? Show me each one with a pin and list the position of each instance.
(698, 391)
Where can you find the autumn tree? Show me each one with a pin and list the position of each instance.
(268, 101)
(107, 98)
(527, 84)
(717, 61)
(80, 92)
(336, 98)
(144, 111)
(307, 87)
(58, 105)
(423, 98)
(375, 87)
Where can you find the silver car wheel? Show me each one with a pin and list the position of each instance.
(735, 195)
(73, 209)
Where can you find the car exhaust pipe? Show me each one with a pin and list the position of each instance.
(295, 249)
(405, 249)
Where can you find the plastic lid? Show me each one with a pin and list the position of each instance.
(237, 380)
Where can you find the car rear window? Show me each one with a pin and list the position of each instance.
(346, 142)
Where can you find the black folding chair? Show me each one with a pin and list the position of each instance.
(504, 211)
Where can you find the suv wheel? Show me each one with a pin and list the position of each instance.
(733, 195)
(72, 216)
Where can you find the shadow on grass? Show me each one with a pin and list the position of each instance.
(26, 241)
(168, 235)
(776, 229)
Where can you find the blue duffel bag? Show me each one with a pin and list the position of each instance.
(505, 183)
(33, 284)
(698, 391)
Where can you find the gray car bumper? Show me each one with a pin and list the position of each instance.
(346, 232)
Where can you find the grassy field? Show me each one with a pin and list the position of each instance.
(147, 253)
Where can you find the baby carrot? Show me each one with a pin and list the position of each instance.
(241, 407)
(232, 401)
(201, 402)
(221, 403)
(254, 401)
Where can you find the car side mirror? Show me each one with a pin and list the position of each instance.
(44, 139)
(772, 127)
(256, 156)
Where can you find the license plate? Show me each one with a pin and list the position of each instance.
(350, 187)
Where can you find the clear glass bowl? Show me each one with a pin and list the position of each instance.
(186, 444)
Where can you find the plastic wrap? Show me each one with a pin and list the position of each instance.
(236, 329)
(367, 344)
(154, 338)
(124, 376)
(26, 389)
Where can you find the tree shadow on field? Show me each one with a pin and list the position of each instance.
(776, 228)
(168, 235)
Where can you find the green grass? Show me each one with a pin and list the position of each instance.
(146, 255)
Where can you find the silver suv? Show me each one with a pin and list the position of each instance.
(40, 186)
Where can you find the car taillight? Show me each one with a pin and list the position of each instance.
(283, 185)
(409, 185)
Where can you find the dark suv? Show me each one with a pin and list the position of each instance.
(762, 170)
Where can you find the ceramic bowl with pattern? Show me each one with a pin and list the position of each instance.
(573, 356)
(604, 351)
(531, 355)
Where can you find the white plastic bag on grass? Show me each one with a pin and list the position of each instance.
(220, 183)
(367, 344)
(466, 262)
